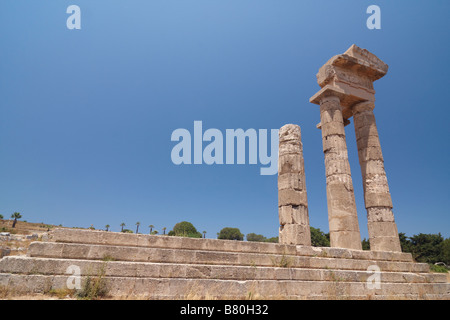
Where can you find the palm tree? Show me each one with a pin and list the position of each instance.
(204, 234)
(164, 230)
(1, 217)
(107, 227)
(137, 226)
(151, 228)
(15, 216)
(122, 225)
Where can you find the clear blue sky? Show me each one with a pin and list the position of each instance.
(86, 115)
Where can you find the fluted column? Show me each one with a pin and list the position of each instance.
(342, 215)
(383, 234)
(292, 199)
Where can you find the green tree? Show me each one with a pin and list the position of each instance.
(15, 216)
(445, 252)
(426, 247)
(365, 244)
(107, 227)
(319, 238)
(137, 226)
(164, 230)
(204, 234)
(185, 229)
(405, 243)
(151, 228)
(256, 237)
(1, 217)
(230, 234)
(273, 240)
(122, 225)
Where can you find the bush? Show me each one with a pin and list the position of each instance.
(438, 268)
(94, 287)
(319, 238)
(256, 237)
(230, 234)
(185, 229)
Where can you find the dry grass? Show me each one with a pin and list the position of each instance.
(23, 227)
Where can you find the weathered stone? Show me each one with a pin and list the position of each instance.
(290, 132)
(382, 229)
(294, 215)
(292, 198)
(380, 214)
(290, 163)
(378, 200)
(333, 128)
(295, 234)
(293, 181)
(289, 197)
(290, 148)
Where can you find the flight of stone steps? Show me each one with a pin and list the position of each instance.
(163, 267)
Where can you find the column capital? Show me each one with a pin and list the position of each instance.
(363, 106)
(327, 92)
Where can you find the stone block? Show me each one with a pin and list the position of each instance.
(378, 200)
(346, 239)
(336, 166)
(334, 143)
(293, 181)
(295, 234)
(380, 214)
(375, 183)
(364, 119)
(331, 115)
(344, 223)
(290, 163)
(365, 131)
(385, 243)
(371, 153)
(290, 197)
(382, 229)
(294, 215)
(290, 147)
(368, 142)
(341, 179)
(333, 128)
(372, 167)
(290, 132)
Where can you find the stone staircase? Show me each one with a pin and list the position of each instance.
(163, 267)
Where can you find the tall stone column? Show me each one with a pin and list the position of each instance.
(383, 234)
(292, 199)
(342, 215)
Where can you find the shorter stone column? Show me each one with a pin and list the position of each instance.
(383, 234)
(292, 199)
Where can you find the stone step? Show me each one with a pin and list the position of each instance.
(50, 266)
(97, 237)
(145, 254)
(169, 288)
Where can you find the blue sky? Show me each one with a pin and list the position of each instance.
(86, 115)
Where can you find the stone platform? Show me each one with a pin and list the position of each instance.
(163, 267)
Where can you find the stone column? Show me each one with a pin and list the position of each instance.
(292, 199)
(342, 215)
(383, 234)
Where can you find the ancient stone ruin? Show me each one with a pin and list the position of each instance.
(168, 267)
(347, 90)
